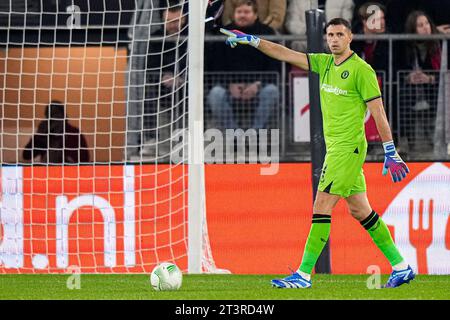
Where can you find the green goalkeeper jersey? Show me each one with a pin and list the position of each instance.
(344, 91)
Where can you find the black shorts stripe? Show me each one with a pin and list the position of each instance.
(309, 63)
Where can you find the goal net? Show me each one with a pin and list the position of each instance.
(95, 127)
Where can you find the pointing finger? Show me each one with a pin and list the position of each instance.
(227, 32)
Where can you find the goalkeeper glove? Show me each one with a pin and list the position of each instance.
(236, 37)
(393, 162)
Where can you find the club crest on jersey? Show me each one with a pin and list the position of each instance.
(345, 74)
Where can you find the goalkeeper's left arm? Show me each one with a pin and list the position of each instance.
(269, 48)
(392, 160)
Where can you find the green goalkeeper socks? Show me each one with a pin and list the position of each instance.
(382, 237)
(317, 238)
(320, 232)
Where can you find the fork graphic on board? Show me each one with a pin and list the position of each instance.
(421, 238)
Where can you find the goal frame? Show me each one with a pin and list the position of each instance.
(196, 169)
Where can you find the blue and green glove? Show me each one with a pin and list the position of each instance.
(393, 163)
(236, 37)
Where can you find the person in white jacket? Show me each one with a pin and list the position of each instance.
(296, 20)
(339, 9)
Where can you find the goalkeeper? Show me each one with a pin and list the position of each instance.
(348, 86)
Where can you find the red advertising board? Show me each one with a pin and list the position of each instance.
(127, 218)
(96, 218)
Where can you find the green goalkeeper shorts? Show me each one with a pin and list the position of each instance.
(342, 173)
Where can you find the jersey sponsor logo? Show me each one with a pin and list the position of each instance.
(331, 89)
(345, 74)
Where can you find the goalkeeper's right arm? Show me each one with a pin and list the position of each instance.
(269, 48)
(279, 52)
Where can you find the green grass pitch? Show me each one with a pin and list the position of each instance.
(217, 287)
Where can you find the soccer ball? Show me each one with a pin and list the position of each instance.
(166, 276)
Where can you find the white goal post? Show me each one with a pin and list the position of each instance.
(200, 258)
(197, 209)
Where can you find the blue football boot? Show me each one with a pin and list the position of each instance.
(294, 281)
(398, 278)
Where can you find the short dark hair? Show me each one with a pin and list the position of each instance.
(338, 22)
(251, 3)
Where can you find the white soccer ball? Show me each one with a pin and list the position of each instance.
(166, 276)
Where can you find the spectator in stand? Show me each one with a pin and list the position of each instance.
(339, 9)
(439, 11)
(56, 141)
(242, 88)
(296, 21)
(357, 24)
(166, 69)
(371, 16)
(163, 53)
(147, 18)
(420, 86)
(214, 10)
(398, 11)
(372, 20)
(270, 12)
